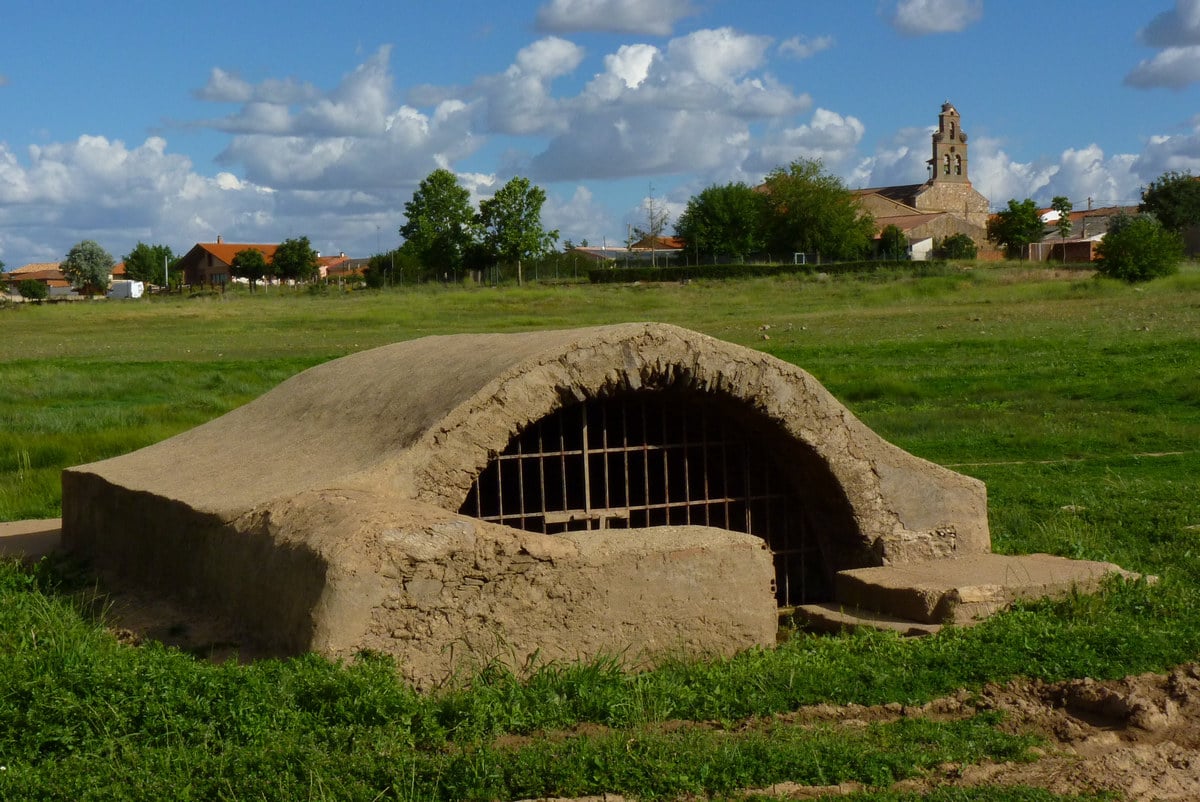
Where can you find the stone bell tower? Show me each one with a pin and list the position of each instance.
(949, 162)
(948, 188)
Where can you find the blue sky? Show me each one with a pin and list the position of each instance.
(175, 122)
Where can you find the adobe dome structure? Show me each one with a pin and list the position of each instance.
(637, 489)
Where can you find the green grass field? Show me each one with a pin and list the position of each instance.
(1077, 401)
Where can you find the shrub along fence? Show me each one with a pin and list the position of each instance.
(619, 275)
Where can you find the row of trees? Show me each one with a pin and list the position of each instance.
(443, 234)
(798, 209)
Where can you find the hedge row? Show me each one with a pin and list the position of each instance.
(622, 275)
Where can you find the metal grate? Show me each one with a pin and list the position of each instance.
(652, 459)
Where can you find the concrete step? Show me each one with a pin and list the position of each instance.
(30, 540)
(969, 588)
(832, 617)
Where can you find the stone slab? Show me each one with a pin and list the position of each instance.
(962, 590)
(830, 617)
(30, 540)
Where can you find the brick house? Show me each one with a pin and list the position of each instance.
(209, 262)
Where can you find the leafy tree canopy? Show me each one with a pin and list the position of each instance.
(250, 264)
(1138, 249)
(295, 259)
(726, 219)
(957, 246)
(1016, 227)
(893, 243)
(511, 221)
(1173, 198)
(1062, 204)
(33, 290)
(88, 267)
(810, 210)
(440, 221)
(147, 263)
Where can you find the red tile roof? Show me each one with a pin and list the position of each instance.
(34, 267)
(225, 251)
(659, 244)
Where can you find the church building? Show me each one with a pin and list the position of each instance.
(945, 204)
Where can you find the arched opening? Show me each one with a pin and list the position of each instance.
(645, 459)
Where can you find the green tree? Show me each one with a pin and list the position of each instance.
(511, 221)
(957, 246)
(148, 262)
(250, 264)
(724, 220)
(1015, 227)
(33, 290)
(893, 243)
(1138, 248)
(1062, 204)
(1173, 198)
(295, 259)
(809, 210)
(88, 267)
(440, 221)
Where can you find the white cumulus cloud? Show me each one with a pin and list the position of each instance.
(685, 108)
(354, 136)
(1179, 26)
(1078, 173)
(802, 47)
(97, 188)
(921, 17)
(654, 17)
(1174, 68)
(1176, 35)
(829, 137)
(1177, 153)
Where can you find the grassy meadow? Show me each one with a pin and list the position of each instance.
(1076, 400)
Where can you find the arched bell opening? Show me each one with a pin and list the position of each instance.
(662, 458)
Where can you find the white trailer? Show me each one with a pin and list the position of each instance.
(125, 288)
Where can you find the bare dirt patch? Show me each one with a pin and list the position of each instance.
(1138, 736)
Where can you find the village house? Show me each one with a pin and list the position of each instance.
(1088, 227)
(209, 262)
(50, 274)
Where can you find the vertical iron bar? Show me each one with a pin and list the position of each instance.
(521, 479)
(666, 455)
(541, 445)
(587, 474)
(562, 457)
